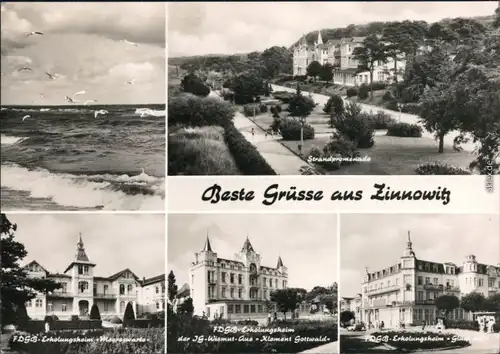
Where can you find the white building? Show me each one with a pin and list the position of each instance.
(339, 53)
(405, 292)
(81, 289)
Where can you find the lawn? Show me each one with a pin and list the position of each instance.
(199, 151)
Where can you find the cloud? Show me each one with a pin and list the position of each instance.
(84, 44)
(196, 28)
(306, 243)
(112, 242)
(377, 241)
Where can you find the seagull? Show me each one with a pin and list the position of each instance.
(72, 99)
(89, 101)
(131, 43)
(41, 95)
(33, 33)
(102, 111)
(51, 76)
(131, 82)
(25, 117)
(25, 68)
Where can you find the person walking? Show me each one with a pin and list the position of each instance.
(253, 132)
(423, 325)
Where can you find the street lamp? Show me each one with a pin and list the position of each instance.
(302, 121)
(400, 107)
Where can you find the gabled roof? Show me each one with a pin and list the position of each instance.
(120, 273)
(38, 264)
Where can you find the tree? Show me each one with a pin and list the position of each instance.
(17, 287)
(326, 73)
(372, 51)
(286, 299)
(276, 60)
(193, 84)
(172, 287)
(247, 86)
(129, 314)
(316, 292)
(334, 107)
(346, 317)
(186, 307)
(447, 303)
(314, 69)
(493, 303)
(94, 313)
(473, 302)
(496, 21)
(299, 105)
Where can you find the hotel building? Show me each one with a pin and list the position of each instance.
(405, 292)
(80, 290)
(339, 53)
(238, 288)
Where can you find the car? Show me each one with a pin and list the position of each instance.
(356, 327)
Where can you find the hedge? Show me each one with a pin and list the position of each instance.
(283, 96)
(363, 91)
(351, 92)
(246, 156)
(290, 130)
(189, 110)
(439, 169)
(36, 326)
(357, 129)
(404, 130)
(381, 120)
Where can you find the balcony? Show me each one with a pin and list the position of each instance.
(59, 294)
(493, 289)
(425, 302)
(105, 296)
(386, 289)
(452, 289)
(437, 287)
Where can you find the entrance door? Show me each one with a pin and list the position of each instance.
(83, 307)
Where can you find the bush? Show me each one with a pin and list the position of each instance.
(193, 111)
(300, 78)
(246, 156)
(300, 105)
(334, 105)
(74, 318)
(263, 108)
(228, 95)
(469, 325)
(377, 86)
(363, 92)
(342, 149)
(352, 91)
(290, 130)
(248, 323)
(129, 314)
(193, 84)
(441, 341)
(94, 313)
(276, 124)
(381, 120)
(388, 96)
(355, 127)
(404, 130)
(439, 169)
(250, 109)
(283, 96)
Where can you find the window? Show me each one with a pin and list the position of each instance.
(130, 288)
(427, 280)
(240, 279)
(237, 308)
(50, 307)
(83, 269)
(38, 303)
(105, 288)
(230, 308)
(83, 286)
(231, 278)
(231, 293)
(157, 290)
(252, 308)
(28, 303)
(223, 292)
(106, 307)
(246, 308)
(435, 281)
(122, 306)
(122, 289)
(162, 305)
(223, 277)
(240, 293)
(63, 308)
(157, 305)
(420, 280)
(481, 282)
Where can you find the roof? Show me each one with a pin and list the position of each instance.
(38, 264)
(247, 246)
(280, 263)
(157, 279)
(120, 273)
(208, 246)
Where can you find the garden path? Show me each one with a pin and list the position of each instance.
(330, 348)
(402, 117)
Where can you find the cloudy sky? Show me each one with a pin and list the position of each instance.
(378, 241)
(112, 241)
(234, 27)
(84, 44)
(306, 243)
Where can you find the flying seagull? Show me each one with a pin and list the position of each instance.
(51, 76)
(131, 43)
(34, 33)
(25, 117)
(102, 111)
(131, 82)
(41, 95)
(89, 101)
(73, 98)
(25, 68)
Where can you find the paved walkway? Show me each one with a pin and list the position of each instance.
(282, 160)
(402, 117)
(330, 348)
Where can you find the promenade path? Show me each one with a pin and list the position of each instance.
(402, 117)
(282, 160)
(329, 348)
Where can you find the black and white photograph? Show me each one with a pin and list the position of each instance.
(252, 283)
(427, 283)
(344, 88)
(83, 106)
(94, 284)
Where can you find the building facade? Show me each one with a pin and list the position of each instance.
(238, 288)
(339, 53)
(405, 292)
(81, 289)
(352, 304)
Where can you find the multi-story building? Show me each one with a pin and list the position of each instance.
(234, 288)
(405, 292)
(80, 290)
(352, 304)
(339, 53)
